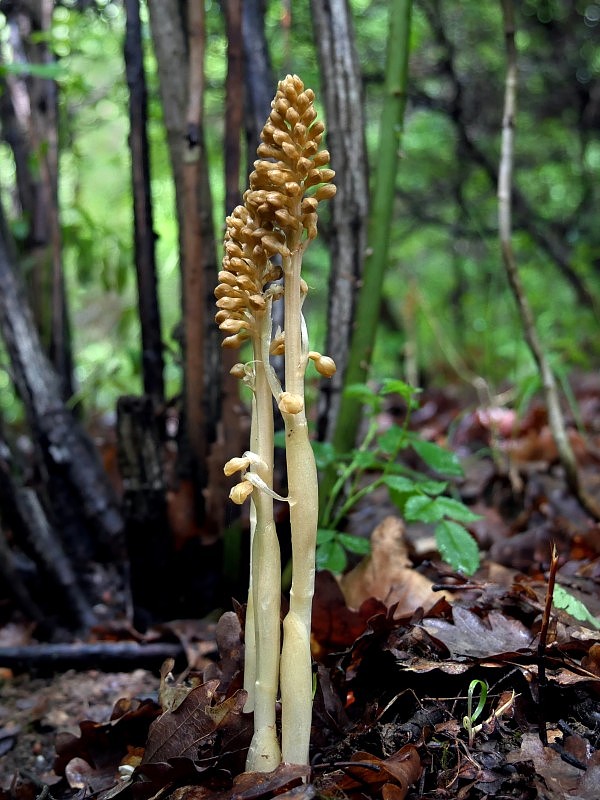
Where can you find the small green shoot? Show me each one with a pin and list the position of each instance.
(472, 716)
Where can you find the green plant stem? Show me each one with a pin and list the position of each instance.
(368, 305)
(264, 754)
(303, 492)
(355, 496)
(343, 477)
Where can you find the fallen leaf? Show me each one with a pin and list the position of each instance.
(474, 637)
(387, 573)
(181, 732)
(103, 746)
(401, 770)
(334, 625)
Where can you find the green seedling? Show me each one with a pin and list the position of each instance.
(473, 715)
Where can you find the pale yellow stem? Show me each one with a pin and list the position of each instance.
(296, 664)
(264, 754)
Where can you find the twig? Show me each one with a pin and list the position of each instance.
(108, 656)
(550, 389)
(541, 653)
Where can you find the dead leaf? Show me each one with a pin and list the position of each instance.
(104, 745)
(474, 637)
(558, 774)
(172, 693)
(400, 771)
(181, 732)
(334, 625)
(387, 573)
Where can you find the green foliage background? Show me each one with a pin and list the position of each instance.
(444, 241)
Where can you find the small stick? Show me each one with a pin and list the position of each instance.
(541, 652)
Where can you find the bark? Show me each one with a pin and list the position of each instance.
(179, 59)
(260, 86)
(380, 219)
(144, 236)
(259, 82)
(83, 504)
(230, 431)
(342, 91)
(140, 455)
(40, 541)
(34, 103)
(15, 585)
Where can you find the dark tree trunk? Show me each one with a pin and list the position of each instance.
(342, 92)
(34, 130)
(140, 452)
(178, 44)
(57, 588)
(229, 440)
(259, 83)
(234, 102)
(83, 506)
(260, 87)
(145, 261)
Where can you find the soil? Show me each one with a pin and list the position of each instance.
(34, 710)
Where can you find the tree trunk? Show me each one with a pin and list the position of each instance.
(178, 45)
(84, 508)
(149, 546)
(144, 237)
(342, 90)
(380, 219)
(34, 124)
(259, 83)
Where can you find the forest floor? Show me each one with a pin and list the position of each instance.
(428, 684)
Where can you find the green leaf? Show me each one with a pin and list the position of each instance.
(457, 547)
(423, 508)
(399, 483)
(325, 535)
(483, 692)
(565, 600)
(456, 510)
(325, 452)
(431, 487)
(363, 393)
(436, 457)
(355, 544)
(366, 459)
(331, 556)
(394, 386)
(392, 440)
(399, 499)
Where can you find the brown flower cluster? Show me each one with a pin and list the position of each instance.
(247, 270)
(277, 213)
(290, 137)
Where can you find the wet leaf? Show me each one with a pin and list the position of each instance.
(477, 638)
(457, 547)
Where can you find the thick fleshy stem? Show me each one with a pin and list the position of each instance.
(264, 754)
(303, 494)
